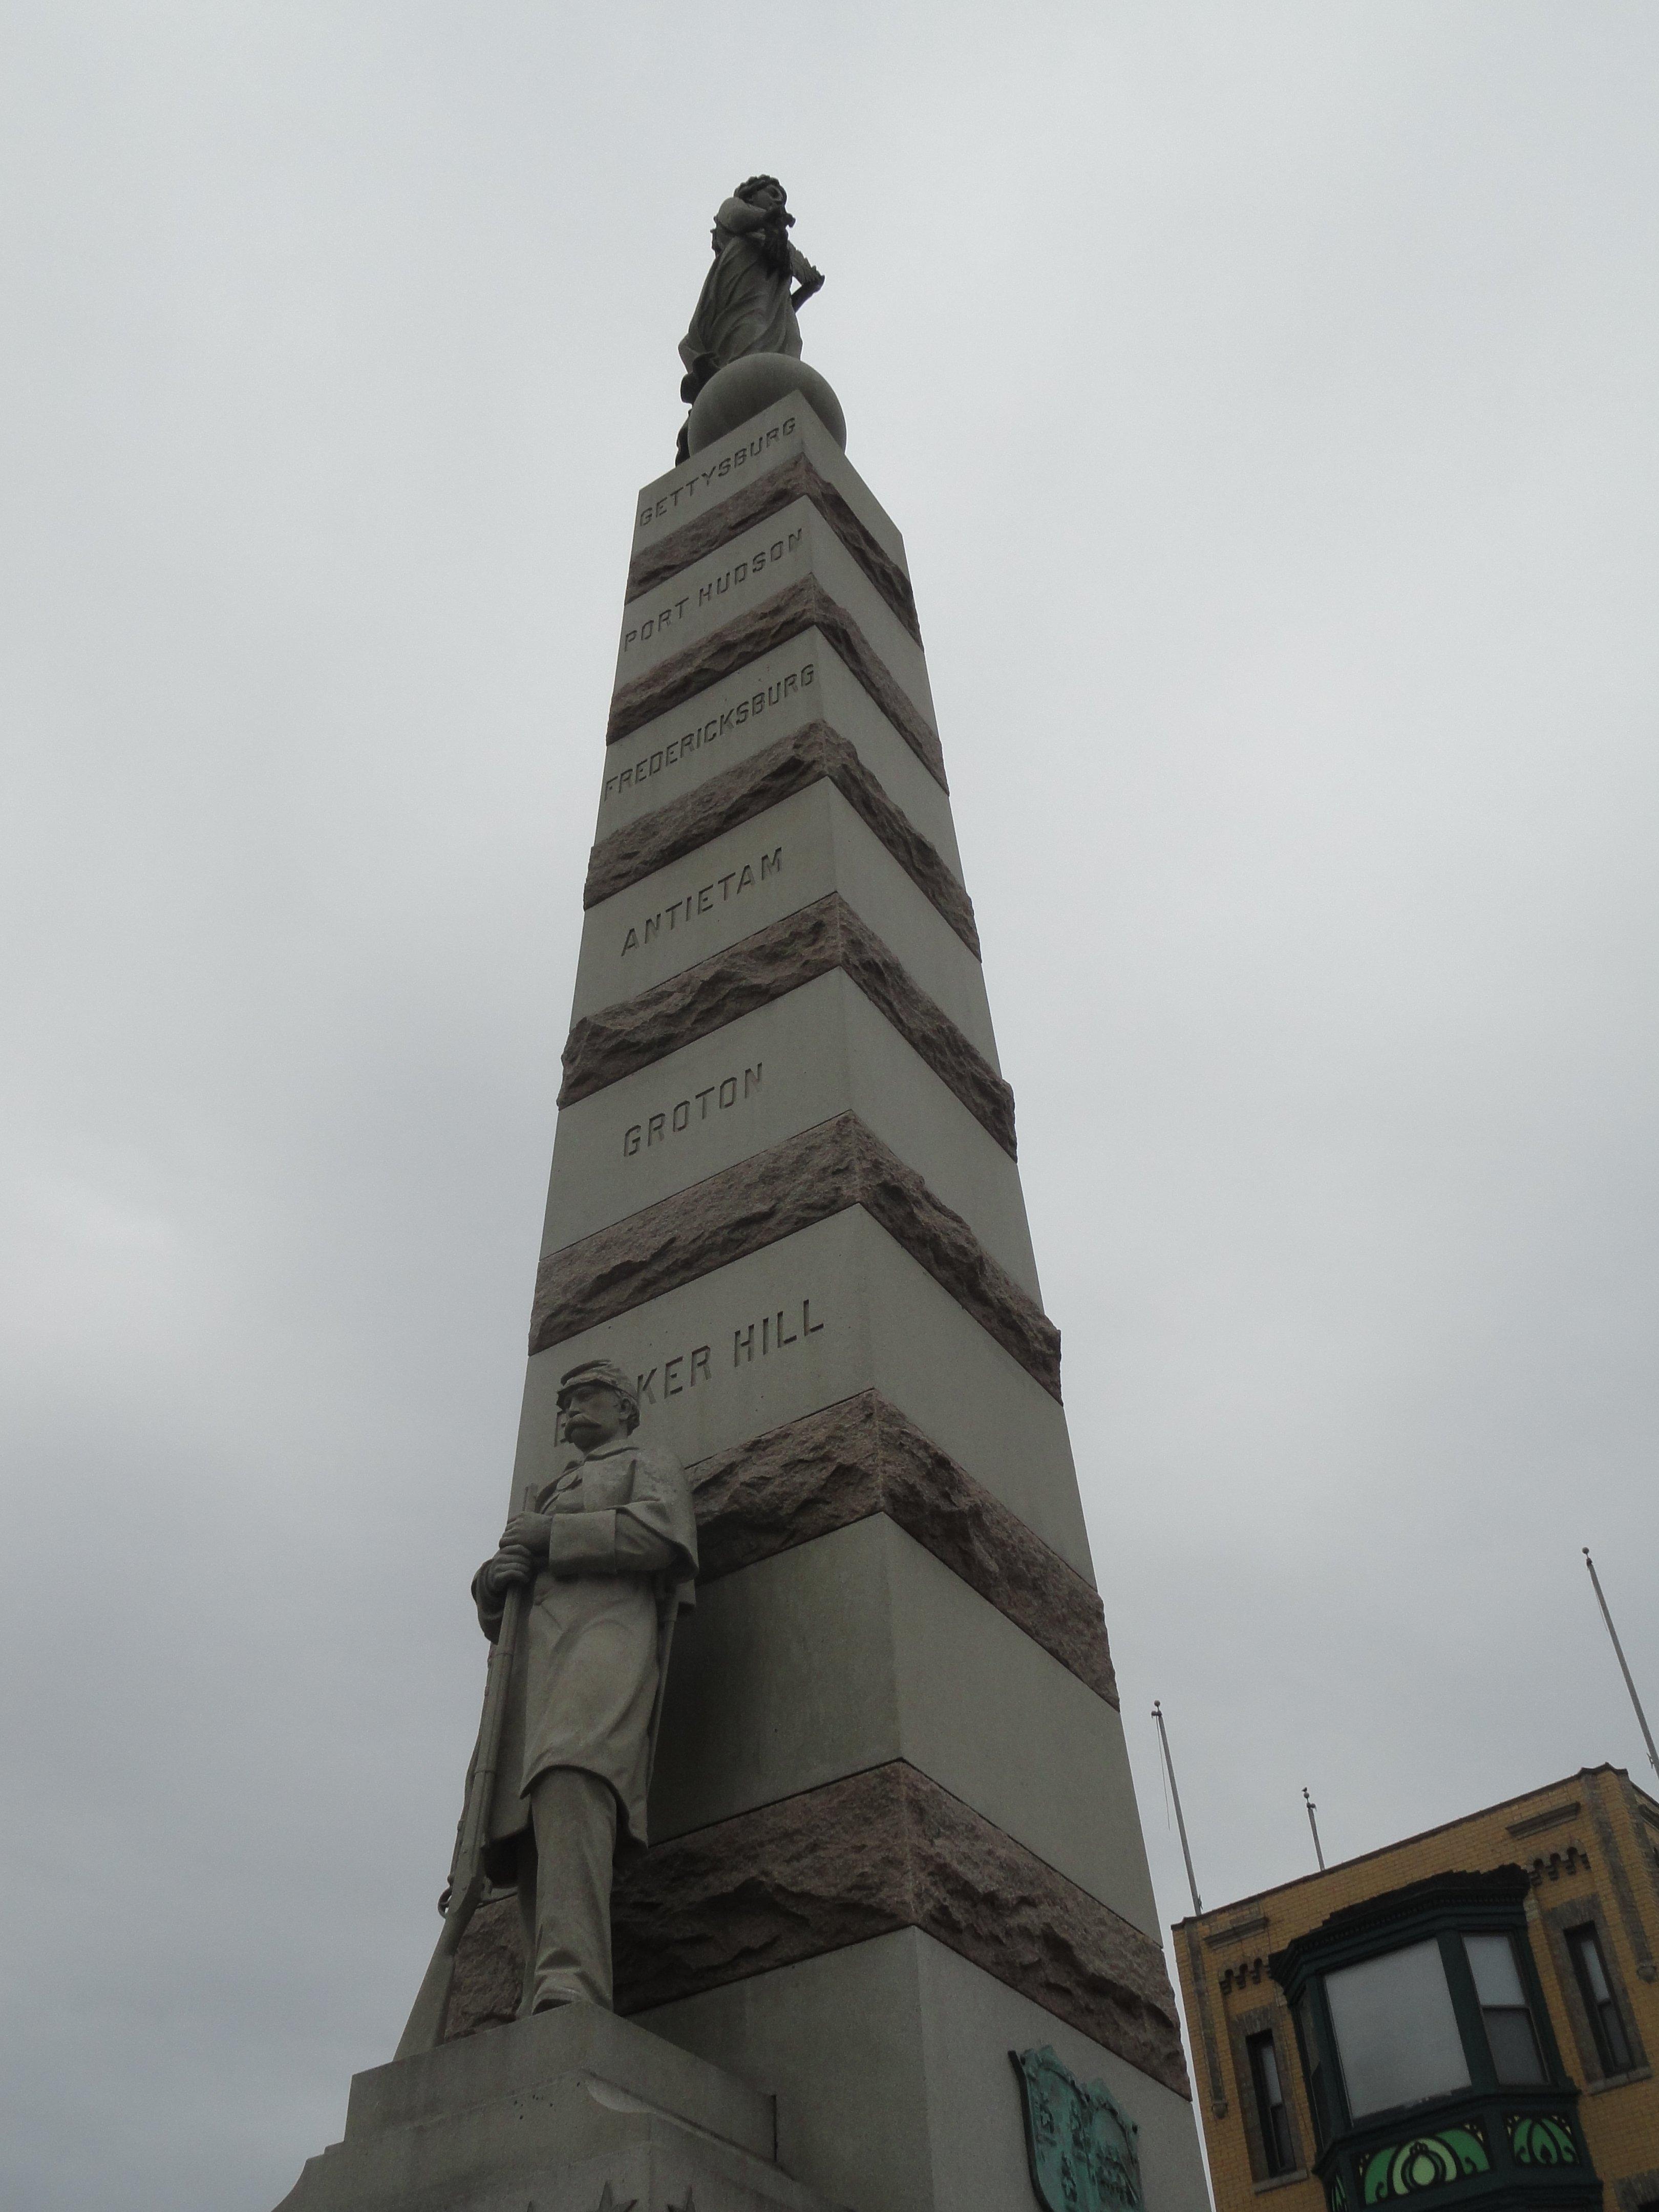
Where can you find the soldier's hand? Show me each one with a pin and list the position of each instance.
(509, 1565)
(528, 1532)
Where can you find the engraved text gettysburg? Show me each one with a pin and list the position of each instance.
(729, 464)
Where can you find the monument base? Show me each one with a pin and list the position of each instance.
(574, 2111)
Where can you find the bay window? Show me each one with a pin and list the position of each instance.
(1427, 2050)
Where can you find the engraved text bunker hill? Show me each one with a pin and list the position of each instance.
(764, 1339)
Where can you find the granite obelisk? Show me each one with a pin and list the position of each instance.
(893, 1836)
(894, 1832)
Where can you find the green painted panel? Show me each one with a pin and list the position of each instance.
(1425, 2162)
(1540, 2139)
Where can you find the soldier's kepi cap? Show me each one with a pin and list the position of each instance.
(600, 1370)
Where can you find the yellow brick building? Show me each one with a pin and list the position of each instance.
(1545, 1977)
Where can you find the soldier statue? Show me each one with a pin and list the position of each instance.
(747, 304)
(608, 1555)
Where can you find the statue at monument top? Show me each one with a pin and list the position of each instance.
(749, 298)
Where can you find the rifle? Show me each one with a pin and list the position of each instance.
(467, 1880)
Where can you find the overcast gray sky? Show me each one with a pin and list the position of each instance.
(1266, 393)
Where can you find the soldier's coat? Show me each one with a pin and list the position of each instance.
(745, 306)
(586, 1674)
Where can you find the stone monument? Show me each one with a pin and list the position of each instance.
(890, 1842)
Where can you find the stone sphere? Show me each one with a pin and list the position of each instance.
(749, 386)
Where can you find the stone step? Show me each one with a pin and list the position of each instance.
(572, 2111)
(437, 2084)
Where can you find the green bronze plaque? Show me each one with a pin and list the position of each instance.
(1080, 2142)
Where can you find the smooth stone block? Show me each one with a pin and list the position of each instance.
(819, 1051)
(761, 561)
(551, 2111)
(860, 1648)
(584, 2039)
(804, 680)
(845, 2032)
(768, 441)
(896, 2092)
(799, 851)
(857, 1313)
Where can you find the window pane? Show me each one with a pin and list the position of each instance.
(1609, 2029)
(1270, 2103)
(1613, 2034)
(1395, 2030)
(1514, 2047)
(1503, 2008)
(1589, 1961)
(1496, 1977)
(1324, 2118)
(1281, 2127)
(1261, 2048)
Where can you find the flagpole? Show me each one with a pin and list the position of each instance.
(1319, 1850)
(1169, 1768)
(1623, 1668)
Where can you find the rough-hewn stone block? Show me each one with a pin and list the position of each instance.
(803, 680)
(819, 1051)
(879, 1850)
(633, 1033)
(863, 1457)
(803, 606)
(883, 1850)
(738, 794)
(796, 479)
(770, 1196)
